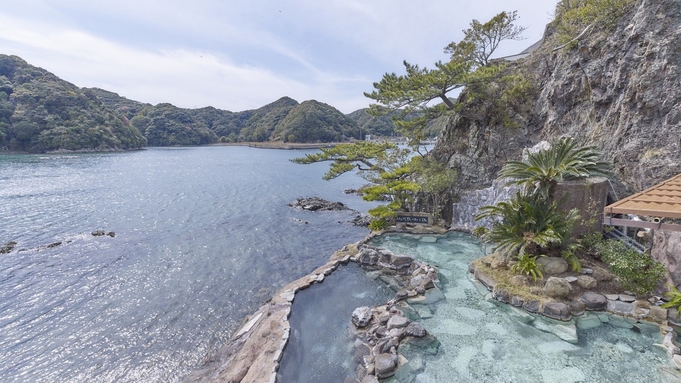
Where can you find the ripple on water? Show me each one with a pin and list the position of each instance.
(490, 342)
(203, 237)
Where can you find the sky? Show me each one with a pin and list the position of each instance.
(239, 55)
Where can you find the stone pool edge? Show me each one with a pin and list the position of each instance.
(253, 353)
(612, 304)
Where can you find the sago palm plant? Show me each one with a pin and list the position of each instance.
(527, 224)
(565, 160)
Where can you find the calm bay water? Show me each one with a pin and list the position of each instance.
(203, 237)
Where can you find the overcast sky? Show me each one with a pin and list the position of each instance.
(239, 55)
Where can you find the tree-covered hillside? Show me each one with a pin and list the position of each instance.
(39, 112)
(314, 121)
(168, 125)
(281, 120)
(383, 125)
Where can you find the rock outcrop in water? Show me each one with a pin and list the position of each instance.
(8, 247)
(318, 204)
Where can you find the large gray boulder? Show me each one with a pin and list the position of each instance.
(557, 287)
(553, 265)
(557, 310)
(385, 365)
(586, 282)
(397, 321)
(361, 316)
(594, 301)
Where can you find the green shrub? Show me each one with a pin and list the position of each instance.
(636, 272)
(527, 264)
(674, 297)
(378, 224)
(528, 224)
(573, 16)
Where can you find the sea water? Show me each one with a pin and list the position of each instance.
(203, 236)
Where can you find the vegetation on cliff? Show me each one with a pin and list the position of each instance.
(604, 74)
(40, 112)
(422, 95)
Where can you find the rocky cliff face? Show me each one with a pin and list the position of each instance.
(619, 90)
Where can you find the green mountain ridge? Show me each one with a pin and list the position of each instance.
(282, 120)
(39, 112)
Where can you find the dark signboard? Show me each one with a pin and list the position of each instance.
(411, 219)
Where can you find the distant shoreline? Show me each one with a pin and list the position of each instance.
(280, 145)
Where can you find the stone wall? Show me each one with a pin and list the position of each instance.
(589, 197)
(667, 250)
(470, 202)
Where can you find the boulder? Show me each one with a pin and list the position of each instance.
(517, 301)
(577, 308)
(361, 350)
(586, 282)
(368, 256)
(361, 220)
(7, 247)
(500, 294)
(397, 321)
(485, 280)
(416, 330)
(384, 365)
(557, 287)
(627, 298)
(532, 306)
(622, 308)
(401, 261)
(553, 265)
(361, 316)
(98, 233)
(658, 314)
(594, 301)
(370, 379)
(557, 310)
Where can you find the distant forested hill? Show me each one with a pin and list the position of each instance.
(39, 112)
(283, 120)
(385, 126)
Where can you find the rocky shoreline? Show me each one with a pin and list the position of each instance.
(254, 352)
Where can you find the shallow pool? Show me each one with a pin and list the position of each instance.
(486, 341)
(320, 345)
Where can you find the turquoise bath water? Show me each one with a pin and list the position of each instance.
(486, 341)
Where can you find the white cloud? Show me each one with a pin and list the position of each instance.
(241, 55)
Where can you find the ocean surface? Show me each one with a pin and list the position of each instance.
(203, 236)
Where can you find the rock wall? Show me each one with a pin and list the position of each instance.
(471, 201)
(667, 250)
(589, 198)
(618, 89)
